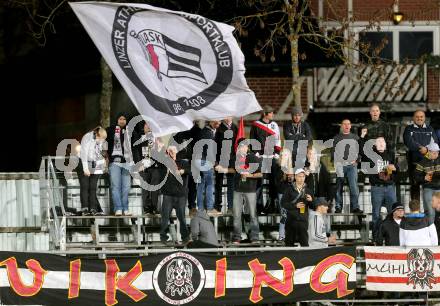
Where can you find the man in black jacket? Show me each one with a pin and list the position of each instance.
(297, 199)
(119, 152)
(417, 136)
(377, 127)
(174, 195)
(226, 133)
(383, 189)
(390, 227)
(143, 154)
(297, 130)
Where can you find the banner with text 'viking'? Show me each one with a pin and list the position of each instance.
(403, 269)
(178, 278)
(175, 67)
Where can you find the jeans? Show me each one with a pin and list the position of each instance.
(381, 196)
(350, 172)
(427, 205)
(205, 189)
(120, 182)
(168, 203)
(283, 212)
(219, 188)
(237, 210)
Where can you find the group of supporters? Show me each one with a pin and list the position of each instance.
(193, 167)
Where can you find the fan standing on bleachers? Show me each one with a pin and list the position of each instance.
(383, 188)
(427, 173)
(174, 195)
(245, 187)
(119, 153)
(346, 166)
(297, 199)
(206, 163)
(296, 130)
(226, 131)
(92, 165)
(142, 152)
(417, 136)
(263, 130)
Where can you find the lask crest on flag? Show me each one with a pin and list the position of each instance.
(175, 67)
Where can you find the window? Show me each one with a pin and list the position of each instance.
(383, 40)
(413, 45)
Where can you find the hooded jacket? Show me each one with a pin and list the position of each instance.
(202, 228)
(416, 230)
(317, 230)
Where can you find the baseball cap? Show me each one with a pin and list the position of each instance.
(300, 170)
(433, 147)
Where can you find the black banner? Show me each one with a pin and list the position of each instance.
(178, 278)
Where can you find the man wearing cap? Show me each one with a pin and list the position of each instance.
(296, 200)
(427, 173)
(297, 130)
(119, 154)
(416, 137)
(318, 226)
(265, 130)
(389, 229)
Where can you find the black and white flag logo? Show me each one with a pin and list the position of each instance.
(175, 67)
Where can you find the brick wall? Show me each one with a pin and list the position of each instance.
(274, 90)
(413, 10)
(433, 88)
(365, 10)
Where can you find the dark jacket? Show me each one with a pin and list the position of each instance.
(261, 134)
(181, 137)
(340, 137)
(379, 128)
(220, 136)
(297, 132)
(415, 137)
(138, 149)
(291, 197)
(381, 177)
(388, 232)
(424, 166)
(320, 183)
(111, 142)
(208, 153)
(249, 184)
(280, 178)
(172, 186)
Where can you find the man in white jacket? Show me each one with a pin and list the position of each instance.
(317, 225)
(416, 229)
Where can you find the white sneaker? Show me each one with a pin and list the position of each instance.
(118, 212)
(127, 213)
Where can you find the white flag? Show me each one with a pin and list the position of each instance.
(175, 67)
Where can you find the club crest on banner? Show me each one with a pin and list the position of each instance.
(179, 278)
(421, 267)
(186, 65)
